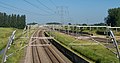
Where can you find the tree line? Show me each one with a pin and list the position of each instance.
(113, 18)
(15, 21)
(54, 23)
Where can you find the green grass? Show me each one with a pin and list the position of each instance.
(18, 43)
(116, 33)
(67, 39)
(97, 53)
(91, 31)
(15, 58)
(4, 35)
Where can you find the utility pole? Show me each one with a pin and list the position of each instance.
(67, 13)
(61, 10)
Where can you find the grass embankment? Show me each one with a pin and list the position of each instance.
(116, 33)
(97, 53)
(18, 43)
(4, 35)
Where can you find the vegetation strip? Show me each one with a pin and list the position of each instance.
(71, 50)
(96, 53)
(16, 47)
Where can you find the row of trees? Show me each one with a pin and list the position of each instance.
(15, 21)
(113, 18)
(53, 23)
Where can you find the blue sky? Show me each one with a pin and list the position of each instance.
(80, 11)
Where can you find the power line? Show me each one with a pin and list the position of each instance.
(63, 13)
(53, 3)
(13, 9)
(11, 6)
(68, 14)
(7, 8)
(35, 6)
(47, 6)
(18, 8)
(44, 5)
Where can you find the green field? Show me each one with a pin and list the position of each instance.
(18, 43)
(97, 53)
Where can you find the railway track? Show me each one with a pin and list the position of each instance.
(102, 40)
(44, 54)
(35, 53)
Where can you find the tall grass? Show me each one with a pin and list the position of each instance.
(4, 35)
(97, 53)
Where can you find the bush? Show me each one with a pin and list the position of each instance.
(100, 32)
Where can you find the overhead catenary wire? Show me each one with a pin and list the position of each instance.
(35, 6)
